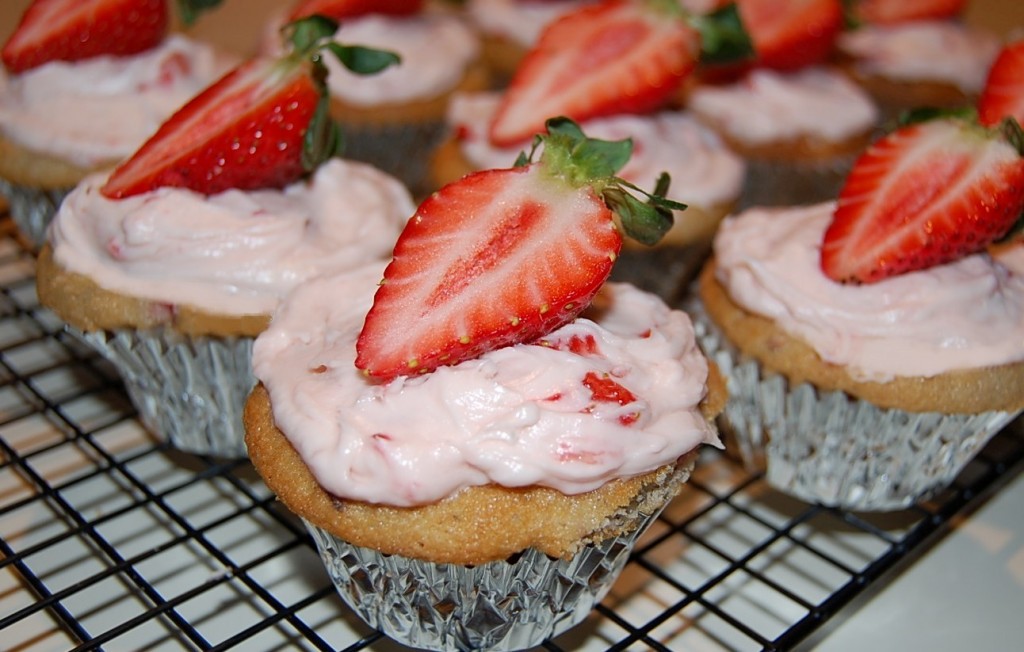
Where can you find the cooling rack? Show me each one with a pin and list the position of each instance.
(113, 541)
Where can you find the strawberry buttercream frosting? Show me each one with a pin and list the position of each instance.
(704, 171)
(100, 110)
(927, 50)
(768, 106)
(963, 315)
(234, 253)
(516, 416)
(520, 21)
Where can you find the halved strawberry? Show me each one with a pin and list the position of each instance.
(1003, 94)
(505, 256)
(791, 34)
(263, 125)
(616, 56)
(71, 30)
(927, 194)
(339, 9)
(888, 12)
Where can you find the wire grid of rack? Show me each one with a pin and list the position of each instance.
(111, 540)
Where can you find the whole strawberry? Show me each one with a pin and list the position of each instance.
(73, 30)
(263, 125)
(929, 193)
(506, 256)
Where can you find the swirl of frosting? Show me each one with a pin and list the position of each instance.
(100, 110)
(518, 20)
(967, 314)
(517, 416)
(704, 171)
(234, 253)
(928, 50)
(767, 106)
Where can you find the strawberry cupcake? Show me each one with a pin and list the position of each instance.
(906, 65)
(172, 264)
(121, 90)
(872, 346)
(798, 131)
(502, 466)
(400, 110)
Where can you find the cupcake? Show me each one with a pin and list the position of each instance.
(868, 362)
(389, 118)
(474, 481)
(171, 265)
(799, 131)
(907, 65)
(120, 91)
(706, 175)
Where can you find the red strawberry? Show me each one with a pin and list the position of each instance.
(339, 9)
(1003, 94)
(604, 389)
(791, 34)
(926, 194)
(616, 56)
(887, 12)
(263, 125)
(504, 256)
(71, 30)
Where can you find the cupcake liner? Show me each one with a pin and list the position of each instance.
(830, 448)
(788, 183)
(503, 605)
(189, 391)
(32, 209)
(400, 150)
(664, 270)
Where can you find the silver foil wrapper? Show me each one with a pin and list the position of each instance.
(785, 183)
(189, 391)
(830, 448)
(32, 209)
(503, 605)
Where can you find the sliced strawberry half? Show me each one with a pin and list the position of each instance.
(791, 34)
(1003, 94)
(339, 9)
(502, 256)
(888, 12)
(612, 57)
(927, 194)
(72, 30)
(263, 125)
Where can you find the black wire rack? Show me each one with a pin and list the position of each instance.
(111, 540)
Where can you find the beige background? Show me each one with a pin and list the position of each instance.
(237, 23)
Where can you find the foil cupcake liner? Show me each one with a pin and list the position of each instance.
(830, 448)
(189, 391)
(785, 183)
(503, 605)
(32, 209)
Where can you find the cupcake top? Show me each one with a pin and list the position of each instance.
(923, 51)
(516, 416)
(704, 172)
(767, 106)
(435, 47)
(963, 315)
(115, 103)
(233, 253)
(520, 21)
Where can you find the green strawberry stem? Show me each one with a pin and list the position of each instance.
(723, 38)
(189, 10)
(581, 161)
(309, 38)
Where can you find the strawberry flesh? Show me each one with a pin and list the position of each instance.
(245, 131)
(1003, 94)
(888, 12)
(925, 195)
(339, 9)
(604, 389)
(497, 258)
(791, 34)
(73, 30)
(609, 58)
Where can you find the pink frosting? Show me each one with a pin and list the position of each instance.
(517, 416)
(963, 315)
